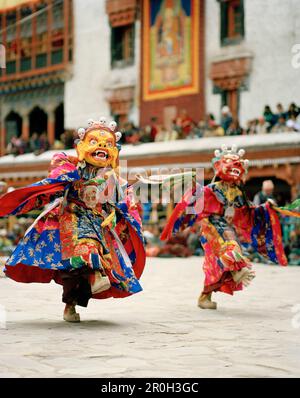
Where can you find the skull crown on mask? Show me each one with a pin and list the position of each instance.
(97, 145)
(229, 165)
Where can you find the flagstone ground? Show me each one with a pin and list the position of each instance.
(157, 333)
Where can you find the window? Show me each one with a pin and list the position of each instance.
(25, 39)
(122, 45)
(232, 21)
(37, 35)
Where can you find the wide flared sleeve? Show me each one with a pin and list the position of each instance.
(63, 172)
(266, 237)
(195, 204)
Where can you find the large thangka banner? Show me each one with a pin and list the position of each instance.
(170, 48)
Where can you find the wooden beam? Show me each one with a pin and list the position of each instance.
(33, 41)
(49, 30)
(66, 31)
(3, 27)
(18, 39)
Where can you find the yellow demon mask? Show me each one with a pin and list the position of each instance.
(97, 145)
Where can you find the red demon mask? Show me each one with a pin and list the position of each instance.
(229, 165)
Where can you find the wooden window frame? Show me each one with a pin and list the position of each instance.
(228, 25)
(66, 35)
(128, 52)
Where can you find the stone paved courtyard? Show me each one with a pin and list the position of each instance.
(157, 333)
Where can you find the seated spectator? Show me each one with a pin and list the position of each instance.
(166, 135)
(210, 121)
(11, 148)
(34, 143)
(153, 243)
(196, 131)
(280, 126)
(176, 128)
(145, 135)
(132, 134)
(162, 135)
(193, 241)
(262, 126)
(153, 128)
(201, 127)
(44, 143)
(176, 246)
(134, 138)
(292, 124)
(210, 125)
(218, 131)
(192, 135)
(17, 146)
(172, 134)
(234, 128)
(67, 138)
(280, 112)
(251, 127)
(127, 132)
(184, 122)
(3, 188)
(269, 117)
(58, 144)
(293, 111)
(226, 118)
(294, 246)
(6, 245)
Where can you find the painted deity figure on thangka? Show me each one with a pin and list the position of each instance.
(229, 224)
(89, 237)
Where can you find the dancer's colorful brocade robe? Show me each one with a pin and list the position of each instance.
(69, 235)
(225, 241)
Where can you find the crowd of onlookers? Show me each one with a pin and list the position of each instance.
(184, 244)
(187, 243)
(154, 216)
(38, 143)
(9, 237)
(280, 121)
(182, 127)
